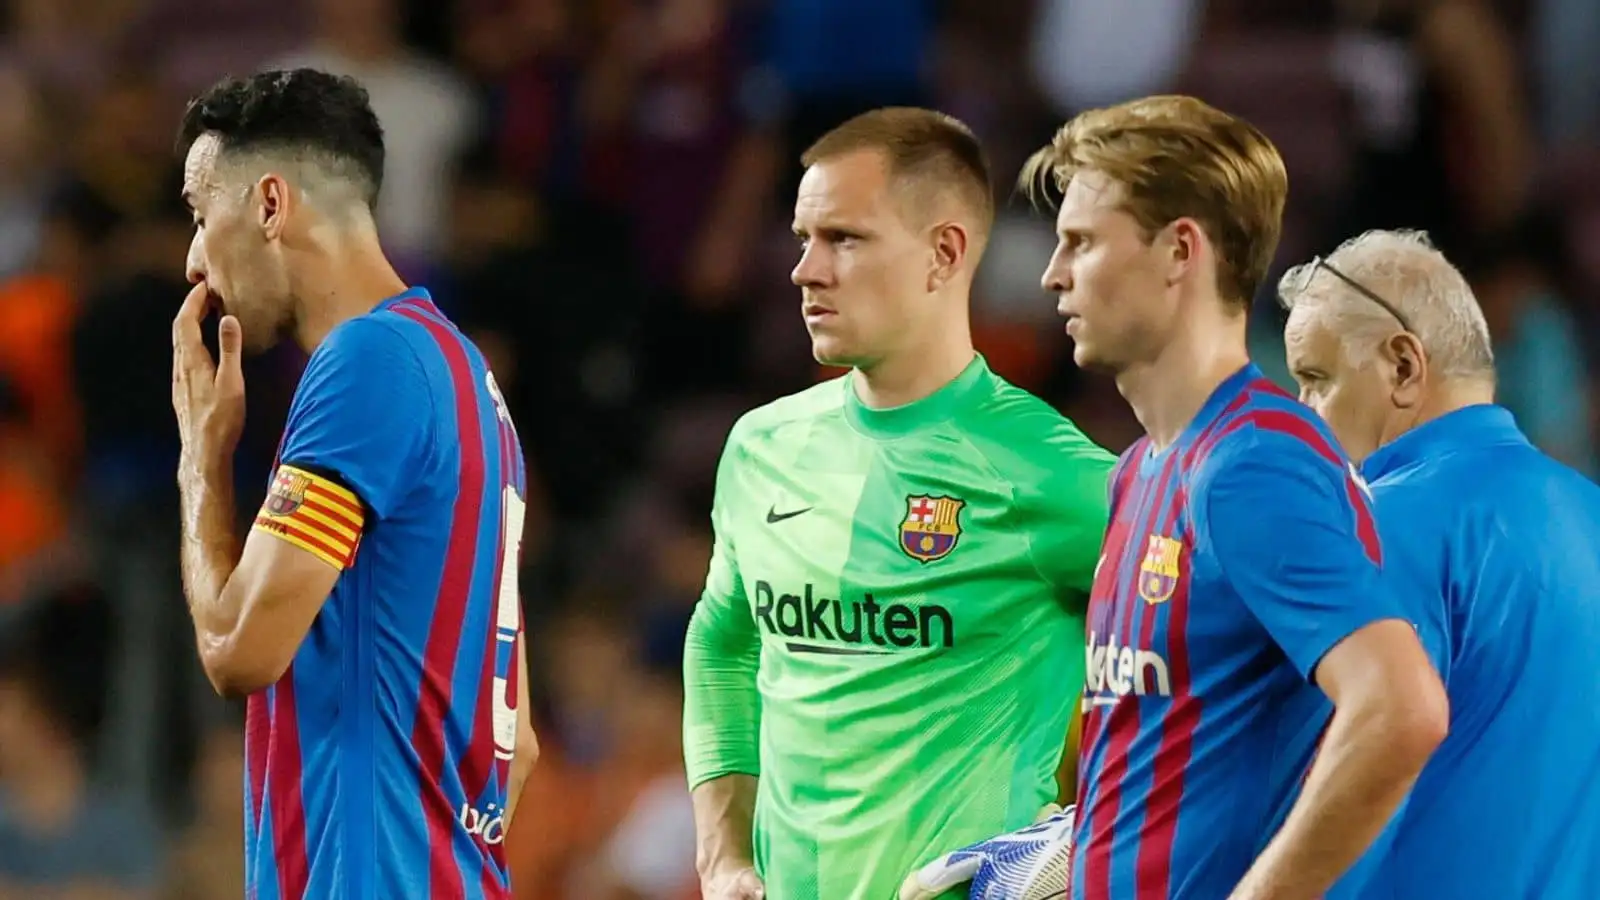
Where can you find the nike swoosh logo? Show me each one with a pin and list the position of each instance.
(774, 517)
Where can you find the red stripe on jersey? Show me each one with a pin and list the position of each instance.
(1153, 868)
(444, 632)
(1126, 466)
(1121, 724)
(288, 803)
(257, 744)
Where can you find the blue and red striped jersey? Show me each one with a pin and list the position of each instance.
(377, 766)
(1234, 560)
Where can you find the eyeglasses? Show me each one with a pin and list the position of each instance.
(1303, 277)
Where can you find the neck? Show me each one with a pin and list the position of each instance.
(1452, 395)
(347, 277)
(1167, 392)
(917, 370)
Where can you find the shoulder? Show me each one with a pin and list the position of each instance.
(384, 333)
(1031, 445)
(1271, 434)
(816, 402)
(380, 354)
(1024, 429)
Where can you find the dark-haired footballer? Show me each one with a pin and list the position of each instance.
(372, 615)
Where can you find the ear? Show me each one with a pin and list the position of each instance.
(950, 243)
(273, 204)
(1409, 364)
(1185, 245)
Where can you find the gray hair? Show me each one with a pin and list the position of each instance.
(1403, 267)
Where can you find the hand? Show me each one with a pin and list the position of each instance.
(207, 397)
(739, 884)
(1032, 862)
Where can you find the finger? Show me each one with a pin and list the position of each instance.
(939, 876)
(1049, 810)
(186, 324)
(230, 349)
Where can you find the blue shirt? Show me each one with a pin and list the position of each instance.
(378, 765)
(1235, 559)
(1496, 548)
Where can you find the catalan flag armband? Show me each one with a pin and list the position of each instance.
(313, 513)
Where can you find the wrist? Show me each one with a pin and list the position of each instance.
(198, 468)
(712, 865)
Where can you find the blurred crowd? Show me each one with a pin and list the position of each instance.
(598, 191)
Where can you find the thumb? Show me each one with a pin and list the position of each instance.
(941, 875)
(230, 344)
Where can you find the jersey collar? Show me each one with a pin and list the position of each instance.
(1480, 425)
(411, 293)
(930, 410)
(1225, 393)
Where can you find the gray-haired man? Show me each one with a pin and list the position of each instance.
(1497, 548)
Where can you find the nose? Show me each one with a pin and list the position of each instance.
(1057, 277)
(194, 263)
(812, 271)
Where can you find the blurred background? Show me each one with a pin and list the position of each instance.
(599, 191)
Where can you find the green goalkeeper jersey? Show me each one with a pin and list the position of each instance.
(891, 635)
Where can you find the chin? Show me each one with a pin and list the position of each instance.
(1083, 356)
(829, 352)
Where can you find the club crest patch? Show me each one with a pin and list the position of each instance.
(931, 528)
(287, 493)
(1160, 569)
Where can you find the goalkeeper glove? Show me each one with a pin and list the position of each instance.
(1030, 864)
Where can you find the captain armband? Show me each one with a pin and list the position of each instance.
(314, 513)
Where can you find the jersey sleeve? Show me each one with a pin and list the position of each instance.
(722, 709)
(1071, 506)
(357, 434)
(1291, 530)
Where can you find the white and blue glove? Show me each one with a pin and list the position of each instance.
(1034, 863)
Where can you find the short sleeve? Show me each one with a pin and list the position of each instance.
(1074, 504)
(362, 414)
(1291, 530)
(1412, 565)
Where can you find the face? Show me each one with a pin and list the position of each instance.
(1354, 395)
(236, 249)
(1112, 285)
(864, 273)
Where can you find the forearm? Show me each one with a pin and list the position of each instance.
(721, 705)
(517, 779)
(210, 550)
(1367, 764)
(724, 814)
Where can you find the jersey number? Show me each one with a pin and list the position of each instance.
(506, 626)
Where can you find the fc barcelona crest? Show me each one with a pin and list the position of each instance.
(1158, 573)
(288, 491)
(931, 527)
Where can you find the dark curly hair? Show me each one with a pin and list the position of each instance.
(305, 112)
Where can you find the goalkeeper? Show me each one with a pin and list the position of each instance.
(890, 645)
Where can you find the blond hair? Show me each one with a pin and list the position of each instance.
(1179, 157)
(921, 144)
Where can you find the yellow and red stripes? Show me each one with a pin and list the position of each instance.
(313, 513)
